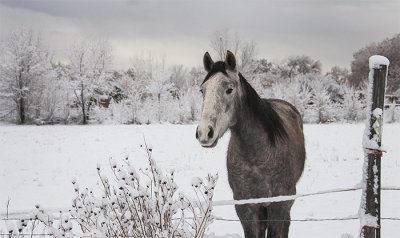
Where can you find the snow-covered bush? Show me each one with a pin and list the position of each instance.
(392, 113)
(321, 101)
(100, 114)
(190, 105)
(353, 109)
(334, 89)
(297, 93)
(143, 203)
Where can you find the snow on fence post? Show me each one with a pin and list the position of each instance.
(371, 196)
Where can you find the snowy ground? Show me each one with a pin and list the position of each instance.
(37, 164)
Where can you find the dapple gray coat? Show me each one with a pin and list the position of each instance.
(266, 152)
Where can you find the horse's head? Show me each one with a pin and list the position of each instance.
(221, 93)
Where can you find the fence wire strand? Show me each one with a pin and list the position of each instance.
(305, 220)
(237, 220)
(233, 220)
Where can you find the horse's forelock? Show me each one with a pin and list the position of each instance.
(218, 67)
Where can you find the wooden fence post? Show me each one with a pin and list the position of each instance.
(370, 205)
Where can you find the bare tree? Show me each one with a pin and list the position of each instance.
(222, 41)
(296, 65)
(389, 48)
(247, 54)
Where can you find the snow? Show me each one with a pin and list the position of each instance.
(368, 220)
(377, 112)
(196, 182)
(37, 164)
(376, 60)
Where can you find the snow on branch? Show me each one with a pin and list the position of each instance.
(132, 203)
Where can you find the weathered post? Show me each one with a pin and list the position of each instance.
(370, 217)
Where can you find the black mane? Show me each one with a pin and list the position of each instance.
(263, 111)
(218, 67)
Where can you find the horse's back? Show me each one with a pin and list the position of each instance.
(286, 110)
(293, 124)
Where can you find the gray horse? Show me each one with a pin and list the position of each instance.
(266, 151)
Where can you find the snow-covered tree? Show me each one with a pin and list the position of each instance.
(189, 105)
(297, 92)
(321, 101)
(179, 77)
(300, 65)
(392, 112)
(191, 100)
(340, 74)
(89, 65)
(24, 71)
(335, 90)
(353, 108)
(160, 88)
(135, 91)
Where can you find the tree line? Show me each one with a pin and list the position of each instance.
(36, 88)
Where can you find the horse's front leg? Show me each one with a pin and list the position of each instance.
(279, 219)
(253, 218)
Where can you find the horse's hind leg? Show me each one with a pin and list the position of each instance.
(253, 219)
(279, 219)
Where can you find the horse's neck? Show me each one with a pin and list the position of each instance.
(248, 135)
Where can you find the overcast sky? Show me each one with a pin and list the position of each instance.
(180, 30)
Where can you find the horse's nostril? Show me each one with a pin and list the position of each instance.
(210, 133)
(197, 133)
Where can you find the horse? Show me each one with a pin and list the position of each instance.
(266, 152)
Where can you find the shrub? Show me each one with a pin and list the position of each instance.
(134, 204)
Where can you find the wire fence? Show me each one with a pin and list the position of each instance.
(305, 220)
(226, 220)
(26, 215)
(280, 198)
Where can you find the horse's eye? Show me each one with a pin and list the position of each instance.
(229, 91)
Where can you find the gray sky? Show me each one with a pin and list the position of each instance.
(180, 30)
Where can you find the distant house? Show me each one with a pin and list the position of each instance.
(391, 100)
(101, 102)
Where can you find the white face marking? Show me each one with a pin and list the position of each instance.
(218, 108)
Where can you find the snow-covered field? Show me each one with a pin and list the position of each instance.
(38, 163)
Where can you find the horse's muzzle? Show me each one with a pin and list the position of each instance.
(205, 135)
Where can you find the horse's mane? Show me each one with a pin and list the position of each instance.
(263, 111)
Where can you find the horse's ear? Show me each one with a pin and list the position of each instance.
(207, 62)
(230, 60)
